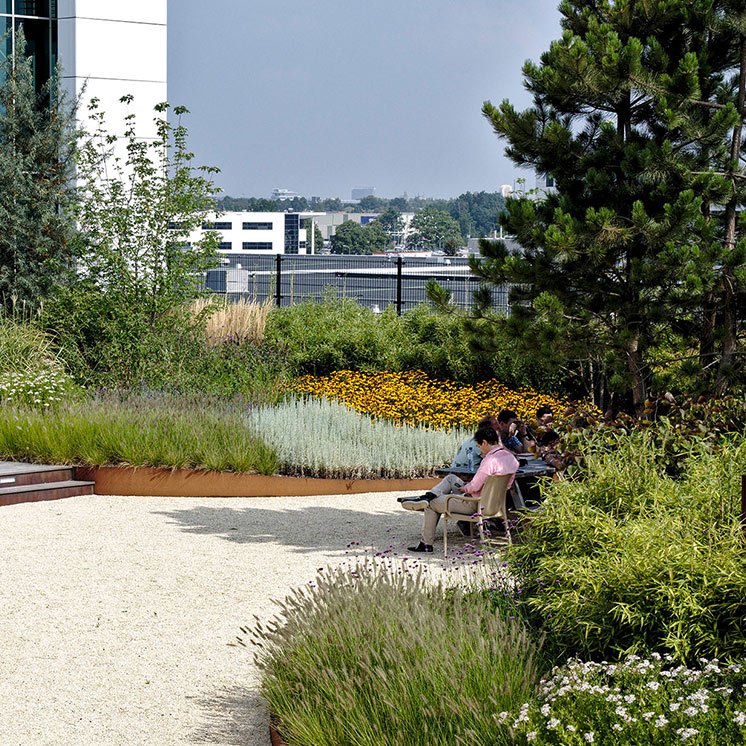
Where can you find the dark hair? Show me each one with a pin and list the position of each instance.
(506, 415)
(541, 411)
(485, 422)
(487, 433)
(550, 436)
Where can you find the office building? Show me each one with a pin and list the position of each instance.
(105, 48)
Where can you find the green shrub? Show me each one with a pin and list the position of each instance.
(137, 431)
(629, 559)
(637, 701)
(107, 349)
(322, 438)
(318, 338)
(372, 656)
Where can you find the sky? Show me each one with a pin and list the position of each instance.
(324, 97)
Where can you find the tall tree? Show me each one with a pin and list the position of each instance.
(432, 228)
(37, 144)
(617, 122)
(353, 238)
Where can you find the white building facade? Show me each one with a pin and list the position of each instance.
(113, 48)
(105, 49)
(261, 233)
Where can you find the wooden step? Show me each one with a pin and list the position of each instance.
(15, 474)
(44, 491)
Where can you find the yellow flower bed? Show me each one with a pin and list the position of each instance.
(411, 397)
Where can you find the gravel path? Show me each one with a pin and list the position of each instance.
(117, 611)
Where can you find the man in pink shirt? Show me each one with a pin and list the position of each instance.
(496, 460)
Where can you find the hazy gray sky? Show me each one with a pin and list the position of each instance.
(323, 97)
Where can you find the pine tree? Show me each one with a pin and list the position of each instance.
(37, 142)
(632, 109)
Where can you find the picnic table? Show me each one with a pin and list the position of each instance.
(530, 467)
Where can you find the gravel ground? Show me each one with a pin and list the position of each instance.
(117, 612)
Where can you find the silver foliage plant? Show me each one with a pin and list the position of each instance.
(321, 438)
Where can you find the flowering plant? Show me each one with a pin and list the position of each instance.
(39, 389)
(636, 701)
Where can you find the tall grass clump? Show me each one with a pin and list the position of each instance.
(371, 656)
(323, 438)
(24, 348)
(241, 321)
(137, 431)
(629, 559)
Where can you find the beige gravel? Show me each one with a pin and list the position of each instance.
(117, 612)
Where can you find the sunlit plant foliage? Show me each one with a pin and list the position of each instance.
(322, 438)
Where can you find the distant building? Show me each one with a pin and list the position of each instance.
(329, 221)
(265, 233)
(359, 193)
(283, 194)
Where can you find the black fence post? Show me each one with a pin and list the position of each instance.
(278, 288)
(399, 263)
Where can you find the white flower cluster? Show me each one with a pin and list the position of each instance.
(634, 699)
(37, 390)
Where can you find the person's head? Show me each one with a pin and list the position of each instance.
(486, 438)
(505, 418)
(544, 415)
(549, 438)
(488, 421)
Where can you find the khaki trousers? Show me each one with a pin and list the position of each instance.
(436, 508)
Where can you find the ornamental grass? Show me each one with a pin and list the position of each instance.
(153, 430)
(412, 397)
(372, 655)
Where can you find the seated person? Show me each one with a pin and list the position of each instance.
(548, 443)
(496, 460)
(512, 431)
(544, 419)
(467, 458)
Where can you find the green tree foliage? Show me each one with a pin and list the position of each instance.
(138, 201)
(353, 238)
(477, 213)
(36, 148)
(432, 228)
(391, 221)
(632, 108)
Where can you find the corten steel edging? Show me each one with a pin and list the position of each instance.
(116, 480)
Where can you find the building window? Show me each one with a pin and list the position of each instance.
(292, 226)
(257, 226)
(258, 245)
(217, 226)
(225, 245)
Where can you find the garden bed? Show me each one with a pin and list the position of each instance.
(118, 480)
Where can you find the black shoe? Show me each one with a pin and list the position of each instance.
(464, 527)
(427, 496)
(422, 547)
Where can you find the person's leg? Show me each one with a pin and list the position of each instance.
(433, 512)
(449, 484)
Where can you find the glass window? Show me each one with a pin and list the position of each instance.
(217, 226)
(37, 47)
(257, 245)
(257, 226)
(33, 8)
(292, 224)
(6, 6)
(225, 245)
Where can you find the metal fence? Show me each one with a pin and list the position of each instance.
(373, 281)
